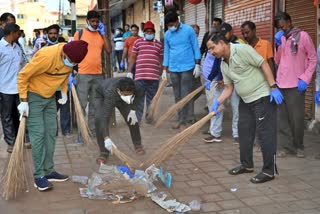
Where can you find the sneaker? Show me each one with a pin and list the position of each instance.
(42, 184)
(10, 148)
(57, 177)
(212, 139)
(300, 153)
(236, 141)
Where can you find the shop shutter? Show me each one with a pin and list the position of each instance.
(217, 9)
(304, 15)
(258, 11)
(189, 13)
(200, 20)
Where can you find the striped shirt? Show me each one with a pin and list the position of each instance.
(149, 55)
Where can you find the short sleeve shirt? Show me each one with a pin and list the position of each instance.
(245, 73)
(128, 44)
(264, 48)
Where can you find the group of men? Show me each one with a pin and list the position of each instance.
(245, 72)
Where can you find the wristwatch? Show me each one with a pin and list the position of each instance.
(274, 86)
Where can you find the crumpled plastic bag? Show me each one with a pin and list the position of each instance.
(169, 205)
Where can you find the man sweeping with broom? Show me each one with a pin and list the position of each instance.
(124, 94)
(37, 84)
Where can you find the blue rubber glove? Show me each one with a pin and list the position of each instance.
(302, 85)
(101, 28)
(215, 106)
(317, 97)
(276, 96)
(121, 65)
(208, 85)
(71, 82)
(278, 36)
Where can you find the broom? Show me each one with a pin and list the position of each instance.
(15, 179)
(172, 145)
(81, 121)
(153, 109)
(173, 109)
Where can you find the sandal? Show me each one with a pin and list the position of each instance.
(102, 159)
(239, 170)
(261, 178)
(140, 151)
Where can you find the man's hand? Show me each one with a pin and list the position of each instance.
(23, 109)
(278, 36)
(208, 85)
(108, 144)
(132, 117)
(71, 82)
(219, 84)
(164, 75)
(130, 75)
(215, 106)
(101, 28)
(302, 85)
(197, 71)
(121, 65)
(317, 97)
(64, 98)
(276, 96)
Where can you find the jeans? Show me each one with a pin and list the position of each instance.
(149, 88)
(291, 119)
(119, 57)
(182, 86)
(196, 83)
(259, 115)
(86, 88)
(216, 121)
(10, 117)
(114, 61)
(65, 117)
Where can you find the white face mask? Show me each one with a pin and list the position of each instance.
(90, 28)
(128, 99)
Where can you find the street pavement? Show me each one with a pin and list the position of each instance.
(199, 170)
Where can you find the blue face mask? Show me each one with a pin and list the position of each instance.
(51, 42)
(173, 28)
(149, 36)
(68, 63)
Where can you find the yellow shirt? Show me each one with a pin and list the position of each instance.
(91, 64)
(44, 73)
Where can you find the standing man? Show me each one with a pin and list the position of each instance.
(90, 72)
(10, 65)
(216, 23)
(297, 59)
(118, 47)
(37, 83)
(182, 60)
(262, 46)
(4, 19)
(127, 32)
(252, 78)
(147, 54)
(127, 49)
(121, 93)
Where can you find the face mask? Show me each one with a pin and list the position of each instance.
(90, 28)
(45, 36)
(68, 63)
(172, 29)
(51, 42)
(149, 36)
(128, 99)
(117, 32)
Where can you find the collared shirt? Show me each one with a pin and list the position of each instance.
(10, 65)
(264, 48)
(293, 67)
(245, 73)
(181, 49)
(207, 65)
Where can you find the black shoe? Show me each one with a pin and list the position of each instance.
(261, 178)
(42, 184)
(57, 177)
(239, 170)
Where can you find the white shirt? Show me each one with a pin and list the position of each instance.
(10, 64)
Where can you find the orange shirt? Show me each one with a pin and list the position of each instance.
(91, 64)
(129, 43)
(264, 48)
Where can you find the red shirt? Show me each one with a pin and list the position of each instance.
(129, 43)
(149, 55)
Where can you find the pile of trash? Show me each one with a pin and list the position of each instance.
(119, 185)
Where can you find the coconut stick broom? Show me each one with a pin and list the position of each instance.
(176, 107)
(172, 145)
(15, 178)
(153, 109)
(81, 121)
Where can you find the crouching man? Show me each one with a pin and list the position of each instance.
(123, 94)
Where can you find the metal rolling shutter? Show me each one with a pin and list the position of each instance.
(304, 15)
(217, 9)
(258, 11)
(200, 20)
(189, 13)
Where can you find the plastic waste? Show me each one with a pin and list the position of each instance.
(126, 170)
(166, 177)
(80, 179)
(195, 205)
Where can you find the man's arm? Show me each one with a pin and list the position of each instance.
(124, 54)
(226, 93)
(166, 54)
(107, 45)
(311, 57)
(203, 47)
(132, 61)
(267, 73)
(272, 66)
(195, 47)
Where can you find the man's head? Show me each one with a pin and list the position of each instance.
(283, 21)
(226, 30)
(141, 25)
(248, 30)
(126, 27)
(149, 31)
(172, 20)
(11, 32)
(7, 18)
(93, 19)
(53, 33)
(218, 45)
(22, 33)
(126, 90)
(216, 22)
(75, 51)
(196, 29)
(134, 30)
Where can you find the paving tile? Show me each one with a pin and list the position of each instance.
(196, 183)
(230, 204)
(256, 201)
(210, 207)
(243, 210)
(213, 189)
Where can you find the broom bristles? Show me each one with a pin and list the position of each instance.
(173, 109)
(15, 179)
(81, 120)
(128, 161)
(153, 109)
(172, 145)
